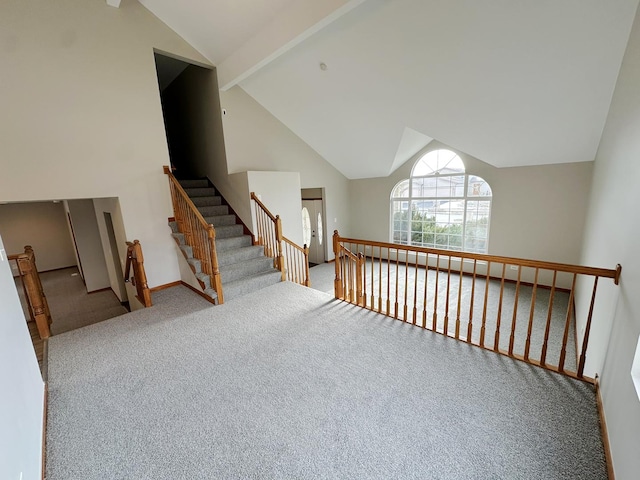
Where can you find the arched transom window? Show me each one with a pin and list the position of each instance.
(441, 206)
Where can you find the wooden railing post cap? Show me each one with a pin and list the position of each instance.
(166, 169)
(616, 280)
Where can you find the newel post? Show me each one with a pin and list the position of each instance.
(216, 282)
(337, 283)
(307, 280)
(36, 300)
(279, 255)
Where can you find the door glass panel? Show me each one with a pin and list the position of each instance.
(319, 228)
(306, 227)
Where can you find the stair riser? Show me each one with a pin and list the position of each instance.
(236, 289)
(200, 192)
(221, 220)
(214, 210)
(229, 231)
(200, 183)
(227, 244)
(206, 201)
(229, 257)
(237, 271)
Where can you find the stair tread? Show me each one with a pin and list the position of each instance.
(201, 192)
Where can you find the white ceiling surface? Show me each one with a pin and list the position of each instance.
(510, 82)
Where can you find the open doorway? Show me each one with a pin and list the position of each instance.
(191, 115)
(313, 224)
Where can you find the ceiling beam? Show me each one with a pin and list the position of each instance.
(296, 23)
(114, 3)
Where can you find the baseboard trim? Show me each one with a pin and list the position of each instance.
(199, 292)
(165, 286)
(604, 432)
(44, 428)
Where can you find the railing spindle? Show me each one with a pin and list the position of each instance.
(531, 312)
(473, 295)
(587, 330)
(567, 326)
(515, 313)
(496, 340)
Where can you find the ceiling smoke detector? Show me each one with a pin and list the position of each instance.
(323, 66)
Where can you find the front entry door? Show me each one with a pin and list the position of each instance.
(312, 229)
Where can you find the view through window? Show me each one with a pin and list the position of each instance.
(441, 206)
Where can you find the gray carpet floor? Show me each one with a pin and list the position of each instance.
(70, 305)
(289, 383)
(322, 277)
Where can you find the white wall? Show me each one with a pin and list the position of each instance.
(256, 140)
(43, 225)
(112, 206)
(280, 193)
(81, 114)
(611, 236)
(22, 398)
(89, 245)
(537, 212)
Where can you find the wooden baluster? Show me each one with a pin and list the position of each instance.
(359, 277)
(426, 287)
(337, 283)
(395, 314)
(531, 311)
(587, 331)
(373, 261)
(473, 294)
(406, 286)
(388, 281)
(547, 329)
(446, 307)
(496, 340)
(459, 299)
(484, 307)
(435, 296)
(364, 278)
(512, 337)
(379, 279)
(567, 325)
(141, 277)
(415, 291)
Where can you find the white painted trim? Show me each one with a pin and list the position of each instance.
(114, 3)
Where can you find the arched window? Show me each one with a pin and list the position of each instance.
(441, 206)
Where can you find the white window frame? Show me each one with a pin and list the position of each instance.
(465, 198)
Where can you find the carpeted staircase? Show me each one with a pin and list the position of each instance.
(243, 266)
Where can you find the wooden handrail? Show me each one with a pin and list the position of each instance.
(34, 293)
(135, 261)
(424, 286)
(289, 258)
(199, 234)
(543, 265)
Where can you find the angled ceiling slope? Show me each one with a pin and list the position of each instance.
(511, 83)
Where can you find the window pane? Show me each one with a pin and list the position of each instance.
(424, 187)
(449, 186)
(401, 190)
(478, 187)
(306, 226)
(438, 161)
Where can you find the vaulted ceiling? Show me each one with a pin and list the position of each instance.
(367, 83)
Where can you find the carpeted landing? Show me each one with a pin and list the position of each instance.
(289, 383)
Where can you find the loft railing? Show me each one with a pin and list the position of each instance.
(521, 308)
(135, 262)
(197, 232)
(288, 257)
(34, 293)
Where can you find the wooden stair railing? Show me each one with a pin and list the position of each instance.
(135, 261)
(291, 259)
(34, 293)
(437, 289)
(199, 234)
